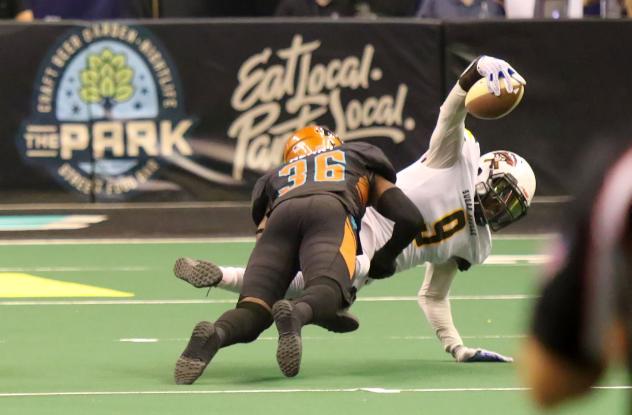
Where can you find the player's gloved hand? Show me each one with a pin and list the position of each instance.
(361, 276)
(469, 355)
(363, 264)
(382, 265)
(492, 69)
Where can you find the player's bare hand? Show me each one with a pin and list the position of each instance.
(495, 71)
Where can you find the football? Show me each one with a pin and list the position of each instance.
(483, 104)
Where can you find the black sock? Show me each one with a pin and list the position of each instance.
(322, 298)
(304, 313)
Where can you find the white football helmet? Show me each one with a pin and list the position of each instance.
(504, 190)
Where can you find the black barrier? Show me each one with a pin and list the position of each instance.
(197, 111)
(22, 49)
(139, 111)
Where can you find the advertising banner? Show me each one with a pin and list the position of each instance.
(197, 110)
(187, 111)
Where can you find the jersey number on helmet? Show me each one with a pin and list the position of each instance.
(442, 229)
(328, 167)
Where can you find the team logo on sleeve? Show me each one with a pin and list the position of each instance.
(106, 111)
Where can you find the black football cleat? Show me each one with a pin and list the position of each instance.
(344, 322)
(203, 345)
(197, 272)
(290, 347)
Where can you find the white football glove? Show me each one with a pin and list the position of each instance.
(469, 355)
(494, 70)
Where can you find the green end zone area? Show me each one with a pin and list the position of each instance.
(115, 354)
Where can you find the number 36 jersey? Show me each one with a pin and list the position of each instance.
(445, 198)
(345, 172)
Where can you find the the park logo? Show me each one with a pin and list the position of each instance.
(106, 110)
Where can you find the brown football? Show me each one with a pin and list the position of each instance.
(485, 105)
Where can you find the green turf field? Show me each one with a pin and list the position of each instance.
(115, 355)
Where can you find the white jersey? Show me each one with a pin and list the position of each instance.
(445, 198)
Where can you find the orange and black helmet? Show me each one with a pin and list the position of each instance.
(309, 140)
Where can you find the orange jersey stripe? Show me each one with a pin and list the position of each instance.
(348, 248)
(363, 189)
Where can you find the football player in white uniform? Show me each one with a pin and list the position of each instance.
(461, 195)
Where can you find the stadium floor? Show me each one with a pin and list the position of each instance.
(107, 343)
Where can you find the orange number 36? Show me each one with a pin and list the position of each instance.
(328, 167)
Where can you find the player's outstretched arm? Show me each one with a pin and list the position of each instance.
(447, 138)
(433, 300)
(393, 204)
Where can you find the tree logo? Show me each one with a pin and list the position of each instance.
(107, 79)
(107, 111)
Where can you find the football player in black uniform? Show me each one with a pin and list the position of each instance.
(307, 212)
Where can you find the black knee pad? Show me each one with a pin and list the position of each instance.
(244, 323)
(259, 311)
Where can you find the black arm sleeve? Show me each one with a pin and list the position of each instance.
(260, 200)
(469, 77)
(396, 206)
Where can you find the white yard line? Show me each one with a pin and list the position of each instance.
(517, 259)
(339, 338)
(369, 389)
(125, 241)
(510, 260)
(112, 302)
(525, 237)
(502, 297)
(74, 269)
(216, 240)
(183, 339)
(482, 337)
(232, 301)
(119, 206)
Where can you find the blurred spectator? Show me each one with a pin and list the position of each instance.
(113, 9)
(592, 8)
(10, 9)
(395, 8)
(561, 9)
(519, 9)
(460, 9)
(73, 9)
(583, 320)
(331, 8)
(608, 8)
(216, 8)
